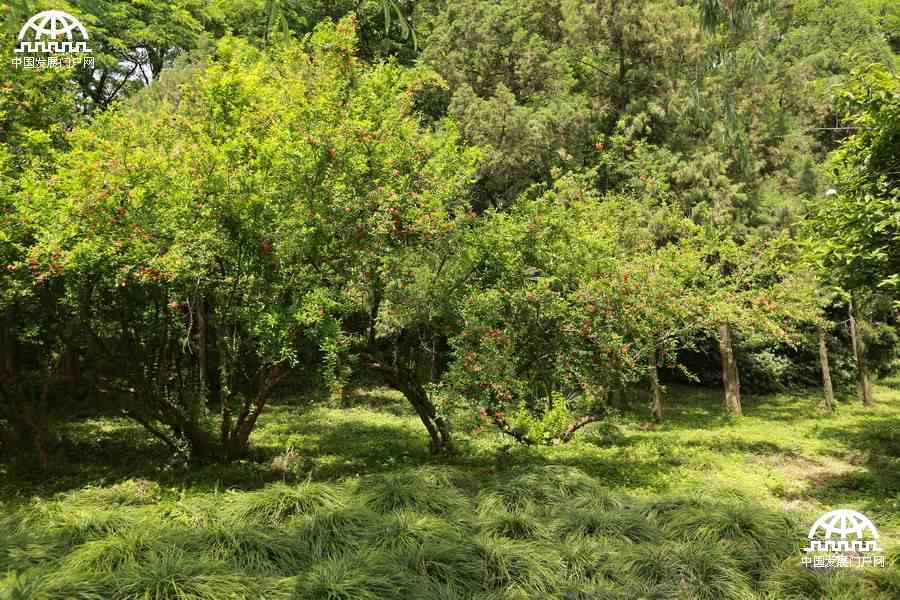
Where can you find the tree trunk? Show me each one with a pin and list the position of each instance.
(826, 372)
(31, 425)
(730, 376)
(198, 441)
(656, 407)
(236, 438)
(71, 366)
(405, 382)
(7, 351)
(202, 345)
(864, 387)
(438, 427)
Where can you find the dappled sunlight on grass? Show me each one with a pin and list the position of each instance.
(347, 501)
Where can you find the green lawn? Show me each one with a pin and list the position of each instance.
(345, 503)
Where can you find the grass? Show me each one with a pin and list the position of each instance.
(345, 503)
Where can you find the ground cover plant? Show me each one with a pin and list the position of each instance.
(700, 507)
(447, 298)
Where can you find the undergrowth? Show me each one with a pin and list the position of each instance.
(532, 527)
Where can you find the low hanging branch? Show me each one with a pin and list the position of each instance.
(571, 429)
(504, 426)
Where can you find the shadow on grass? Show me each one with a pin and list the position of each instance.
(732, 445)
(90, 452)
(702, 408)
(873, 443)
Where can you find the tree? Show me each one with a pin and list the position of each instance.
(219, 196)
(857, 227)
(854, 230)
(36, 109)
(768, 296)
(575, 294)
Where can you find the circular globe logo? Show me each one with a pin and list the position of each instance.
(52, 24)
(844, 523)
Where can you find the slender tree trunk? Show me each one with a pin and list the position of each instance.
(202, 344)
(33, 426)
(71, 366)
(864, 387)
(7, 349)
(405, 382)
(236, 438)
(656, 389)
(826, 371)
(730, 376)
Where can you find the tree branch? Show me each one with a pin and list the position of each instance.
(504, 427)
(571, 429)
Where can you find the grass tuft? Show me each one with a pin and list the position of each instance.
(521, 523)
(254, 551)
(513, 563)
(451, 564)
(327, 534)
(133, 492)
(406, 529)
(421, 490)
(549, 484)
(628, 526)
(198, 511)
(351, 577)
(275, 504)
(106, 555)
(172, 574)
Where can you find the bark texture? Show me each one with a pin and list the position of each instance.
(864, 386)
(730, 377)
(827, 388)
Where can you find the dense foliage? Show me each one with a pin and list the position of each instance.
(250, 252)
(560, 203)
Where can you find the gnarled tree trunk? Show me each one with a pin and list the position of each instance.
(406, 383)
(236, 435)
(730, 377)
